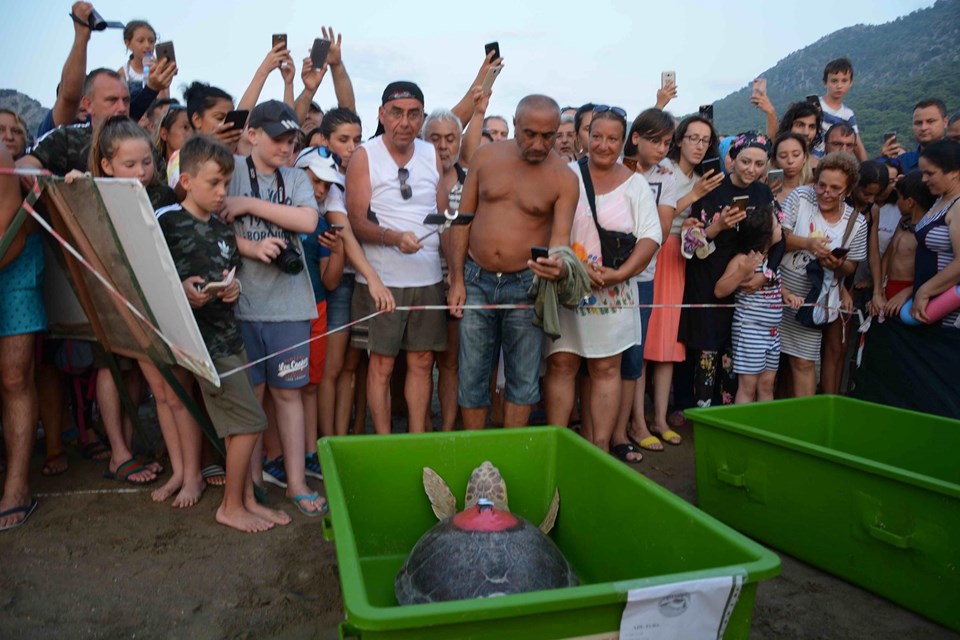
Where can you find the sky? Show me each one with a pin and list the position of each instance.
(603, 51)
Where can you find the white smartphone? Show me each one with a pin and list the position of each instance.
(490, 78)
(667, 77)
(759, 87)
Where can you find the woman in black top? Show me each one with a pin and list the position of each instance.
(706, 331)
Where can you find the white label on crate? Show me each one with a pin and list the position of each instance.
(698, 609)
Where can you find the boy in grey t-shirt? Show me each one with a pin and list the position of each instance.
(269, 205)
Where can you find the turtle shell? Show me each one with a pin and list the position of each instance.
(479, 553)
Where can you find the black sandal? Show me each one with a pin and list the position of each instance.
(621, 451)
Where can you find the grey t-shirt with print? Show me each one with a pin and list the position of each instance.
(269, 294)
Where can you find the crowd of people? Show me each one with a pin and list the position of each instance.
(586, 260)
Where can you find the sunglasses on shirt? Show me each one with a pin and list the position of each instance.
(406, 191)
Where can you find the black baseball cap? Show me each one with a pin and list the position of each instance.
(400, 90)
(274, 117)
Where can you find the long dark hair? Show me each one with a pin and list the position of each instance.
(200, 96)
(801, 110)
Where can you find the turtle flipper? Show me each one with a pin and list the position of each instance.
(441, 498)
(486, 482)
(551, 517)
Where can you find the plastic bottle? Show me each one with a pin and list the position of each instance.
(937, 309)
(148, 61)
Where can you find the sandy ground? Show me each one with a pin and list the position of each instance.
(99, 559)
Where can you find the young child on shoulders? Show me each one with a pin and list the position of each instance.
(759, 298)
(140, 39)
(838, 79)
(204, 250)
(914, 200)
(324, 256)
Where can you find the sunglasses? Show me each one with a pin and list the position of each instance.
(603, 108)
(406, 191)
(324, 152)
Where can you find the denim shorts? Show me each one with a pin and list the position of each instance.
(287, 370)
(338, 302)
(483, 332)
(631, 364)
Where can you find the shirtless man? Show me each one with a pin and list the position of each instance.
(523, 195)
(22, 314)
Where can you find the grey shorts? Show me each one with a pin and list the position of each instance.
(388, 333)
(233, 408)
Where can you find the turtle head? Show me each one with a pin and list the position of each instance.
(486, 483)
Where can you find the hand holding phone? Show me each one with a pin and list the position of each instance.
(319, 52)
(775, 180)
(706, 111)
(740, 203)
(236, 119)
(277, 39)
(336, 228)
(492, 46)
(490, 78)
(840, 252)
(668, 77)
(710, 164)
(759, 87)
(165, 50)
(538, 252)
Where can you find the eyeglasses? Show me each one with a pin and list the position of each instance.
(821, 188)
(406, 191)
(698, 140)
(617, 111)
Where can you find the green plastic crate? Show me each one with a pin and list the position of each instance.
(619, 530)
(867, 492)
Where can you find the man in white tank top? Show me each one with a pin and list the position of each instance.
(393, 184)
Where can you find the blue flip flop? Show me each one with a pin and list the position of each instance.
(297, 500)
(27, 510)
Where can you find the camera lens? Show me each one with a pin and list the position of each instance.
(289, 259)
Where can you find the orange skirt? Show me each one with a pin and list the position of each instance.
(662, 344)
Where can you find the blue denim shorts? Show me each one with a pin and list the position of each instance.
(631, 364)
(288, 370)
(338, 302)
(483, 332)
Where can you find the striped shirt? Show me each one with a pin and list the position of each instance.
(843, 115)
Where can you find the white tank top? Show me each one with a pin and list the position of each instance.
(395, 268)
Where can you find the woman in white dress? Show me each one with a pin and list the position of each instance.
(606, 324)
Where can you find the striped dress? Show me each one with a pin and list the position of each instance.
(756, 326)
(934, 252)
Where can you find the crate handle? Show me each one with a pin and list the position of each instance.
(733, 479)
(326, 526)
(894, 540)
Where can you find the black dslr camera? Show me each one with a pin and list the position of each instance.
(289, 259)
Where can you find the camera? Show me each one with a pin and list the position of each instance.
(289, 259)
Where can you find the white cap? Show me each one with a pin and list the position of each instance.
(321, 162)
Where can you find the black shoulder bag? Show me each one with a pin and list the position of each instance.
(615, 246)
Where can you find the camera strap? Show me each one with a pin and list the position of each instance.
(255, 186)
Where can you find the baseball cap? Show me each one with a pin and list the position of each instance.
(400, 90)
(274, 117)
(321, 162)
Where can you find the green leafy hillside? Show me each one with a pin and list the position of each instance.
(895, 65)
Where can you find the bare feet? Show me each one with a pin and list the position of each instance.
(167, 490)
(243, 520)
(189, 494)
(271, 515)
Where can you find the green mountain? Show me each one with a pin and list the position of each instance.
(896, 65)
(29, 109)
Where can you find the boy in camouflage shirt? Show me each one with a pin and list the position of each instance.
(204, 249)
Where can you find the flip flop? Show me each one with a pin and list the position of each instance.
(125, 470)
(621, 451)
(50, 469)
(214, 471)
(297, 500)
(27, 510)
(650, 443)
(95, 451)
(671, 437)
(149, 463)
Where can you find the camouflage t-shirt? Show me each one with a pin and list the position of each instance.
(64, 148)
(205, 249)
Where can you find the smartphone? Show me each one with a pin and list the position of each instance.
(165, 50)
(840, 252)
(888, 135)
(759, 87)
(775, 180)
(539, 252)
(490, 78)
(278, 38)
(706, 111)
(668, 77)
(336, 228)
(318, 54)
(740, 202)
(237, 119)
(814, 100)
(492, 46)
(709, 164)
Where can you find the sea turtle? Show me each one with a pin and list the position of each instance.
(483, 550)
